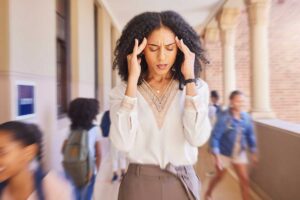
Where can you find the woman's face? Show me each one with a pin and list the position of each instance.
(160, 52)
(14, 157)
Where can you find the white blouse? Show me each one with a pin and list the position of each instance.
(160, 131)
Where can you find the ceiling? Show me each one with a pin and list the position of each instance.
(196, 12)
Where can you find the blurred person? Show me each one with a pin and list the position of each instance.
(118, 158)
(214, 106)
(231, 136)
(20, 149)
(82, 162)
(105, 124)
(213, 111)
(119, 163)
(214, 97)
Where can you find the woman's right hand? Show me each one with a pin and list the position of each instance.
(133, 62)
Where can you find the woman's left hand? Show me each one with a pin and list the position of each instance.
(187, 67)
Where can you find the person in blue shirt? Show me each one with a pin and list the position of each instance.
(232, 135)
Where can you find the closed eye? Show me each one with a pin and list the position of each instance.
(153, 48)
(169, 47)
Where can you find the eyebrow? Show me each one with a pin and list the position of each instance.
(158, 45)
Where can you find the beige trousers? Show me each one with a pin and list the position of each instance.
(149, 182)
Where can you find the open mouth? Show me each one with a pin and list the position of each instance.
(162, 66)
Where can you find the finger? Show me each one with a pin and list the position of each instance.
(142, 46)
(184, 48)
(135, 48)
(178, 43)
(139, 60)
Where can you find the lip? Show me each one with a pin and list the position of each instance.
(162, 66)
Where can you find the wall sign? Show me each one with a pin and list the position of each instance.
(25, 100)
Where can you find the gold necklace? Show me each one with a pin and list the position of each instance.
(158, 90)
(158, 101)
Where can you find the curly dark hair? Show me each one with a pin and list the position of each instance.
(82, 112)
(142, 26)
(26, 134)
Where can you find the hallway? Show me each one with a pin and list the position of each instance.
(228, 189)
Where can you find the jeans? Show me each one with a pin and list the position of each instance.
(86, 193)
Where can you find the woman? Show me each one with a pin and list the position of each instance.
(20, 146)
(159, 113)
(232, 134)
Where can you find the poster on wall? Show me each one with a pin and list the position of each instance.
(25, 100)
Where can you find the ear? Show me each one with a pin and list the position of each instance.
(31, 152)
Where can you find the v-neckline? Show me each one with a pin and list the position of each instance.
(159, 105)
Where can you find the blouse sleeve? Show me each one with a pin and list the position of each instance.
(123, 115)
(196, 122)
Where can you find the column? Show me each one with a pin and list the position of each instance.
(258, 11)
(115, 36)
(228, 22)
(105, 64)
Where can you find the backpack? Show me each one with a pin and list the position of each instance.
(77, 161)
(105, 124)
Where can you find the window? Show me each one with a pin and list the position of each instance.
(63, 56)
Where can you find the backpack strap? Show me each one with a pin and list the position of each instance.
(38, 178)
(90, 159)
(2, 186)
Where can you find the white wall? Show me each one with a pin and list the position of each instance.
(86, 47)
(33, 58)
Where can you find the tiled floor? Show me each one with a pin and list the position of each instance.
(228, 189)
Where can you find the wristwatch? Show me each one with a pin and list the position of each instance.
(192, 80)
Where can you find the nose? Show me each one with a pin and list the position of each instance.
(161, 55)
